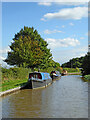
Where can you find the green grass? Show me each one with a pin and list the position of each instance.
(9, 84)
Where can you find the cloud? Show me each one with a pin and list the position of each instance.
(71, 24)
(2, 58)
(45, 3)
(66, 42)
(63, 56)
(53, 31)
(64, 2)
(3, 54)
(5, 50)
(75, 13)
(63, 26)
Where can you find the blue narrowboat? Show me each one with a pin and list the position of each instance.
(55, 75)
(39, 79)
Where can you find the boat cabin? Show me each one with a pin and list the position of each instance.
(39, 76)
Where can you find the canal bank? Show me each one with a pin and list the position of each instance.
(65, 98)
(75, 73)
(19, 88)
(9, 91)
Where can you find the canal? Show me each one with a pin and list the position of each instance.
(65, 98)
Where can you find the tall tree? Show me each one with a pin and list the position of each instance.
(86, 64)
(28, 49)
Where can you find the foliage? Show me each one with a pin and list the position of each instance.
(28, 49)
(73, 63)
(86, 64)
(87, 77)
(15, 73)
(72, 70)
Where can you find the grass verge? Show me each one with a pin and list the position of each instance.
(10, 84)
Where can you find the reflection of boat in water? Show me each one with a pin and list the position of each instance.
(55, 75)
(38, 79)
(64, 72)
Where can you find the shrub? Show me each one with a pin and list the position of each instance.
(15, 73)
(87, 77)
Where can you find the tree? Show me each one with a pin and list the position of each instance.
(73, 63)
(86, 64)
(28, 49)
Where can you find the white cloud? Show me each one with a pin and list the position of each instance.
(5, 50)
(3, 54)
(64, 2)
(63, 26)
(63, 56)
(45, 3)
(71, 24)
(73, 2)
(75, 13)
(2, 58)
(42, 19)
(66, 42)
(52, 31)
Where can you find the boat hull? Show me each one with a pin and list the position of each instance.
(55, 77)
(32, 84)
(63, 74)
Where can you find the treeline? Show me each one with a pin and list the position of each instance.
(86, 65)
(72, 70)
(73, 63)
(82, 62)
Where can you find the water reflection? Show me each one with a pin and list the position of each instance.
(65, 98)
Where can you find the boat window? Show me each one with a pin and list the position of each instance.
(35, 75)
(39, 76)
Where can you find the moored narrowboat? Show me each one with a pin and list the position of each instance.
(38, 80)
(55, 75)
(64, 72)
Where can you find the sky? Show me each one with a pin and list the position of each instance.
(63, 25)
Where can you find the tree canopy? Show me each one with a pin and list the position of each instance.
(86, 64)
(28, 49)
(73, 63)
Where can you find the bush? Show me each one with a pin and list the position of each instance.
(87, 77)
(15, 73)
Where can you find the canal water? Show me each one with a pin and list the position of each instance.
(65, 98)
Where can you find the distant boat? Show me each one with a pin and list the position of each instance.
(64, 72)
(38, 80)
(55, 75)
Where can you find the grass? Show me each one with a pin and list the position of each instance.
(9, 84)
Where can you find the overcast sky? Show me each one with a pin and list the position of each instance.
(63, 25)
